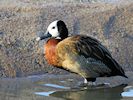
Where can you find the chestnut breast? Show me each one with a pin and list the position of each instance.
(50, 51)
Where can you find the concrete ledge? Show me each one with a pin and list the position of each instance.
(21, 55)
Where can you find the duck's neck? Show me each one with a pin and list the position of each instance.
(50, 51)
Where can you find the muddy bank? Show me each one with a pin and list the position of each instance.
(21, 55)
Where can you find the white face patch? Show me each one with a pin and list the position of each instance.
(53, 29)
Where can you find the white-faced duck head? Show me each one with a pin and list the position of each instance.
(56, 29)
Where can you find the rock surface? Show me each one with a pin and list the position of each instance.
(20, 20)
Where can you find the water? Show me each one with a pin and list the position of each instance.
(91, 94)
(87, 94)
(128, 92)
(44, 93)
(59, 88)
(56, 86)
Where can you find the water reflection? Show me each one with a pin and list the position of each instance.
(91, 94)
(128, 92)
(56, 86)
(44, 93)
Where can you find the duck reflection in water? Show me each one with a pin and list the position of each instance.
(91, 94)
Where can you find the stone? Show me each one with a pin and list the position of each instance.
(20, 20)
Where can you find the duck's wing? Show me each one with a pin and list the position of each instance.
(90, 47)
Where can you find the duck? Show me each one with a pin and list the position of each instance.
(80, 54)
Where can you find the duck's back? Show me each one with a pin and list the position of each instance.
(86, 56)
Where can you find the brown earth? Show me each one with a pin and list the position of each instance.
(20, 20)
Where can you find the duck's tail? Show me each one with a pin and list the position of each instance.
(115, 67)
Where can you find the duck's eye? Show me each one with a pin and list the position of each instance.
(53, 27)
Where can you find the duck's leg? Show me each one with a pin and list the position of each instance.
(83, 84)
(85, 81)
(88, 82)
(91, 81)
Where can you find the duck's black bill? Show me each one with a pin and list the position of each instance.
(46, 35)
